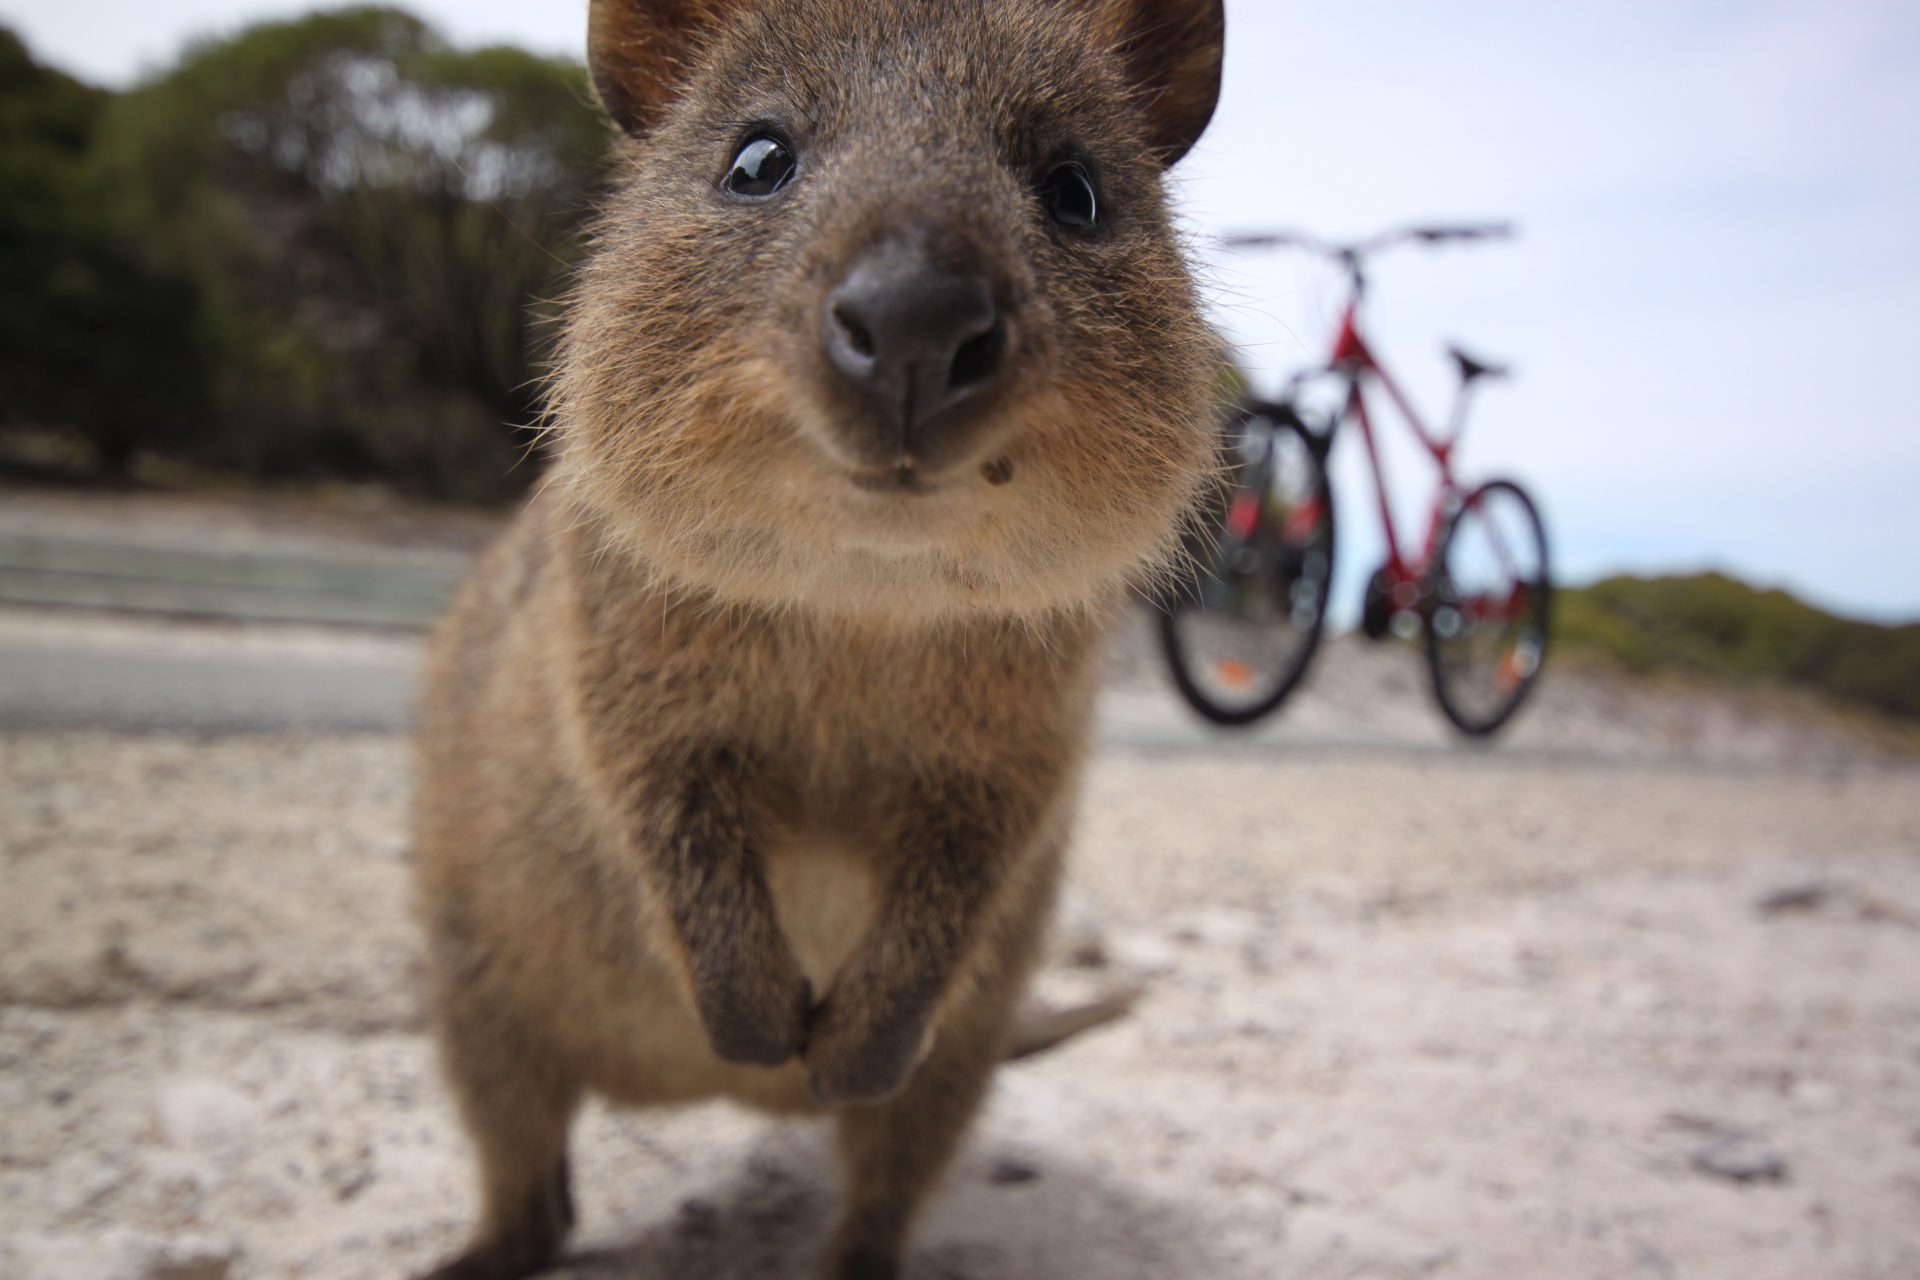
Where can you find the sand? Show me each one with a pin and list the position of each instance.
(1609, 1002)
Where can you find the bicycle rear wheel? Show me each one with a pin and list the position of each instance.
(1238, 642)
(1489, 594)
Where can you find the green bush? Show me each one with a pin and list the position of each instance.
(1717, 626)
(91, 338)
(358, 223)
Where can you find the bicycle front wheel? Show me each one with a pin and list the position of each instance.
(1488, 597)
(1239, 642)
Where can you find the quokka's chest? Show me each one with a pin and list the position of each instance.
(826, 892)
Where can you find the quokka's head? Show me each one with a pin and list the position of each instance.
(886, 314)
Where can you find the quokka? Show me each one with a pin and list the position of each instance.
(749, 753)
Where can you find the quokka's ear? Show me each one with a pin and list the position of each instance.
(641, 52)
(1172, 50)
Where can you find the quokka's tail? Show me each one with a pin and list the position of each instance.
(1040, 1027)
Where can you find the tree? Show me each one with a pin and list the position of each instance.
(369, 216)
(90, 338)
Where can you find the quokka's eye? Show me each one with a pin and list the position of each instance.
(1067, 191)
(761, 167)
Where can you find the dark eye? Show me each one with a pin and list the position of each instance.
(762, 167)
(1067, 191)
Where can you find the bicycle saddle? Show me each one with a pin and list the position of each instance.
(1471, 368)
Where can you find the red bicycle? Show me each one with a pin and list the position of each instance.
(1241, 636)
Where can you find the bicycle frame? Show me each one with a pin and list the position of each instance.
(1354, 360)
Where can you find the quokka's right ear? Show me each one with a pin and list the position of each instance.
(1172, 50)
(641, 52)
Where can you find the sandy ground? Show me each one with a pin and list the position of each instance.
(1538, 1012)
(1635, 994)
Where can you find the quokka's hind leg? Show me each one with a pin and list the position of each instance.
(893, 1152)
(517, 1100)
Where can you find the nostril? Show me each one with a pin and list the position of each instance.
(978, 359)
(855, 333)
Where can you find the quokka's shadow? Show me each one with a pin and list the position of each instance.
(1003, 1212)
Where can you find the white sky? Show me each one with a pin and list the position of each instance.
(1713, 308)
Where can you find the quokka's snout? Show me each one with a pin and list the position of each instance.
(918, 340)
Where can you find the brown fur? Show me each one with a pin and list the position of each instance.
(742, 778)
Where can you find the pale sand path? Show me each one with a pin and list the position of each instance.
(1411, 1013)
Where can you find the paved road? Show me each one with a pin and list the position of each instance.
(74, 670)
(175, 574)
(71, 669)
(61, 669)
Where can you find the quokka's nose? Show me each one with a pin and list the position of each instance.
(913, 338)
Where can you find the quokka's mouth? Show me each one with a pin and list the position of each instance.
(907, 476)
(904, 476)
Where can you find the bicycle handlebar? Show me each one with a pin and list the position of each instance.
(1350, 254)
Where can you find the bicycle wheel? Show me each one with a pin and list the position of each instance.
(1241, 638)
(1488, 596)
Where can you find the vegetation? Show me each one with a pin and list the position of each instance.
(90, 336)
(317, 248)
(1716, 626)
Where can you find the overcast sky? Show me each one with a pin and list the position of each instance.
(1713, 309)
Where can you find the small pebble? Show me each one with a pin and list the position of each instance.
(1795, 895)
(1737, 1158)
(1009, 1172)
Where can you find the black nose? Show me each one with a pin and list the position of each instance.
(913, 338)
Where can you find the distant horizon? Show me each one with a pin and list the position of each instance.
(1709, 309)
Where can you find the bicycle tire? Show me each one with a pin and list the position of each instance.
(1181, 610)
(1517, 669)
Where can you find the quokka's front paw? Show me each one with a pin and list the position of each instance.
(856, 1055)
(756, 1017)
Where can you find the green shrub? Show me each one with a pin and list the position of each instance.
(332, 235)
(92, 339)
(1717, 626)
